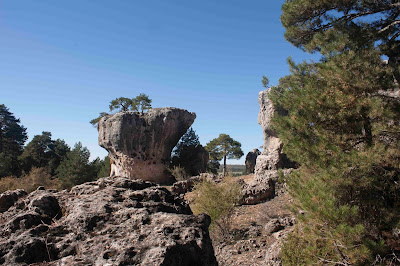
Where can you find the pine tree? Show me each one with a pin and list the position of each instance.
(141, 103)
(311, 24)
(189, 154)
(42, 151)
(122, 104)
(342, 127)
(76, 168)
(224, 147)
(12, 138)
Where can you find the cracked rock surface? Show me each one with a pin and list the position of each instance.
(112, 221)
(140, 145)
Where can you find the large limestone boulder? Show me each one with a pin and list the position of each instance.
(140, 145)
(113, 221)
(250, 161)
(271, 159)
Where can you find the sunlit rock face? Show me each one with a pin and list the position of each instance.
(140, 145)
(112, 221)
(271, 159)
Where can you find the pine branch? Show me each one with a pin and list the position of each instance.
(389, 26)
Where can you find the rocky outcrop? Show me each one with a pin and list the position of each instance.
(250, 161)
(140, 145)
(258, 233)
(113, 221)
(8, 198)
(271, 159)
(187, 185)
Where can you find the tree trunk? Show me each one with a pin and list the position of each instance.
(224, 169)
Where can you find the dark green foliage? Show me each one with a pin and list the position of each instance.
(95, 121)
(42, 151)
(213, 165)
(12, 138)
(104, 167)
(122, 104)
(223, 147)
(343, 131)
(59, 150)
(76, 169)
(190, 138)
(141, 103)
(188, 154)
(312, 25)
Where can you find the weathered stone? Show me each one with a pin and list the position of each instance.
(8, 198)
(185, 186)
(140, 145)
(271, 159)
(250, 162)
(113, 221)
(257, 192)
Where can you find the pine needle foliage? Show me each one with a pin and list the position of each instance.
(343, 130)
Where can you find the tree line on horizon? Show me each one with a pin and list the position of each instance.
(43, 160)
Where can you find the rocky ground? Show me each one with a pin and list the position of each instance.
(113, 221)
(257, 232)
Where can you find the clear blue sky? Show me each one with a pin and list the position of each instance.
(61, 62)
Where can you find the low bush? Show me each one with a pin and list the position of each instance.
(31, 181)
(179, 173)
(218, 201)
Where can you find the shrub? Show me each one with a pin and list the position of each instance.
(31, 181)
(218, 201)
(179, 173)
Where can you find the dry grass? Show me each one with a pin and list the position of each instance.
(31, 181)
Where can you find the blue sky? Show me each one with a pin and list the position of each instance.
(62, 62)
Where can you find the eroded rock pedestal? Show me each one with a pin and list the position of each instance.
(271, 159)
(140, 145)
(113, 221)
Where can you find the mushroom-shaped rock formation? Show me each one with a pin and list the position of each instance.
(140, 145)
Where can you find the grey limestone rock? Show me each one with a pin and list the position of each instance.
(251, 158)
(184, 186)
(8, 198)
(140, 145)
(113, 221)
(272, 158)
